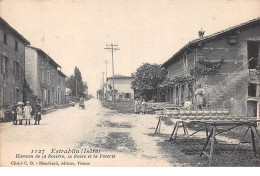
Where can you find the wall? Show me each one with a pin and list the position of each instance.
(8, 92)
(122, 85)
(31, 69)
(232, 93)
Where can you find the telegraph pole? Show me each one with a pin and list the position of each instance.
(111, 48)
(106, 79)
(103, 87)
(76, 88)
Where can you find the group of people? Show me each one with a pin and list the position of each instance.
(21, 112)
(140, 106)
(200, 99)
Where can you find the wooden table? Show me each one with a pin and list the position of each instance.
(214, 131)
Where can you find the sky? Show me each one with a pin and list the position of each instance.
(75, 32)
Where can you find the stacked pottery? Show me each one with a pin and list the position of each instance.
(189, 115)
(183, 115)
(176, 114)
(206, 114)
(213, 114)
(220, 114)
(236, 117)
(225, 112)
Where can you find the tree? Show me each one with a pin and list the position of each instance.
(147, 78)
(76, 84)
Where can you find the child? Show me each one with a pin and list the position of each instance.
(14, 114)
(37, 117)
(19, 111)
(27, 112)
(2, 113)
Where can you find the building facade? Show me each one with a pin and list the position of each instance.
(41, 73)
(226, 64)
(122, 85)
(12, 64)
(61, 88)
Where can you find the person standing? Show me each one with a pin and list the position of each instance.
(187, 104)
(2, 113)
(19, 112)
(37, 117)
(137, 106)
(27, 112)
(143, 106)
(14, 114)
(199, 93)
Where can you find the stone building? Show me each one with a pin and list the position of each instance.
(61, 88)
(226, 64)
(41, 73)
(122, 86)
(12, 64)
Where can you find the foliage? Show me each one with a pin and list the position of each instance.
(28, 94)
(76, 84)
(147, 78)
(181, 80)
(205, 67)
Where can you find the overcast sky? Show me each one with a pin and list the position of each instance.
(75, 32)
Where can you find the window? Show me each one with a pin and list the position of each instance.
(252, 90)
(52, 79)
(16, 46)
(127, 95)
(252, 52)
(177, 95)
(42, 72)
(48, 77)
(17, 94)
(4, 64)
(16, 68)
(5, 39)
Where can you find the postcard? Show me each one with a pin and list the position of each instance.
(140, 83)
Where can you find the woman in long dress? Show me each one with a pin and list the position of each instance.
(19, 111)
(27, 112)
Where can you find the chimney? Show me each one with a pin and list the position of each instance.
(201, 33)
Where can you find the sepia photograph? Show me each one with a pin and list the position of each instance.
(129, 83)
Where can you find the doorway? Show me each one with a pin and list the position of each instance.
(252, 52)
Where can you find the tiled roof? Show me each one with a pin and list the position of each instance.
(42, 52)
(209, 37)
(60, 72)
(3, 22)
(120, 77)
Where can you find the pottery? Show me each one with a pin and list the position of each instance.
(182, 112)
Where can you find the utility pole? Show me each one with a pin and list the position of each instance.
(76, 87)
(106, 79)
(111, 48)
(103, 86)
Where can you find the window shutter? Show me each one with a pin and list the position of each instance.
(1, 64)
(14, 67)
(6, 65)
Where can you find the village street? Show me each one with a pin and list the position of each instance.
(93, 128)
(127, 139)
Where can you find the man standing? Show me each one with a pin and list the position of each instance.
(199, 93)
(14, 114)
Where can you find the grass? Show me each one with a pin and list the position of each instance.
(124, 107)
